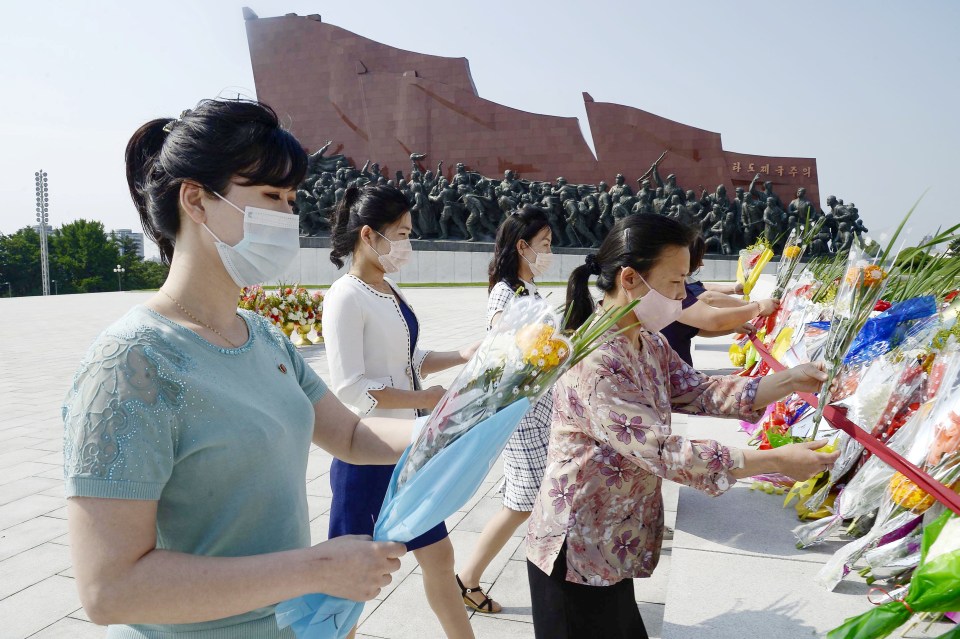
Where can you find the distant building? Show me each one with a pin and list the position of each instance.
(137, 238)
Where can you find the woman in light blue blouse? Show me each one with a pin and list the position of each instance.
(188, 424)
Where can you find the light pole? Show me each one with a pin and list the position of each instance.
(43, 201)
(119, 271)
(9, 288)
(54, 286)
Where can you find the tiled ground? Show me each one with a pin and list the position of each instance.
(732, 571)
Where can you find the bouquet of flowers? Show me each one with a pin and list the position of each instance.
(522, 358)
(750, 265)
(933, 588)
(289, 308)
(856, 298)
(930, 439)
(516, 364)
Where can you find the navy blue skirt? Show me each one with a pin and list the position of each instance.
(358, 493)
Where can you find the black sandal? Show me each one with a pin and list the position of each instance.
(485, 606)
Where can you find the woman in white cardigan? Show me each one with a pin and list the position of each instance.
(371, 334)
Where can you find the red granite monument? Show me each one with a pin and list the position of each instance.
(381, 103)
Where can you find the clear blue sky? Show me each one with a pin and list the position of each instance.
(869, 88)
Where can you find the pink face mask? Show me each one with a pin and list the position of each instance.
(656, 311)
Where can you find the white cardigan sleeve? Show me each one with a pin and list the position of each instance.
(343, 335)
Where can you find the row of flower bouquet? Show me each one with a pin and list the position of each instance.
(292, 309)
(885, 322)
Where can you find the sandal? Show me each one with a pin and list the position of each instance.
(485, 606)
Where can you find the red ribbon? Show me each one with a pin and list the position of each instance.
(838, 417)
(901, 598)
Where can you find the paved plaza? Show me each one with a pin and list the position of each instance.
(731, 572)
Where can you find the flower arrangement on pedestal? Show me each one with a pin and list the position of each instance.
(292, 309)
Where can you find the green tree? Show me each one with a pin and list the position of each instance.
(20, 262)
(84, 257)
(144, 274)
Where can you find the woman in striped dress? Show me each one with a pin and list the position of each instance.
(521, 254)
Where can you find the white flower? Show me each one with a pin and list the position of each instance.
(547, 349)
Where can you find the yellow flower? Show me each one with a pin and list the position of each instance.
(908, 495)
(737, 357)
(871, 276)
(540, 348)
(791, 252)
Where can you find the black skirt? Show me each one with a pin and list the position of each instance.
(567, 610)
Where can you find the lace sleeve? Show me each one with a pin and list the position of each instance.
(120, 424)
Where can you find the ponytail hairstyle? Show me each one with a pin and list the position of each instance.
(636, 241)
(374, 205)
(522, 224)
(698, 248)
(217, 142)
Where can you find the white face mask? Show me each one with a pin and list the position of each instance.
(397, 257)
(541, 264)
(271, 242)
(657, 311)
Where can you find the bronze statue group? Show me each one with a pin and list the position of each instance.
(470, 207)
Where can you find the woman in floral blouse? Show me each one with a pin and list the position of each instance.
(598, 520)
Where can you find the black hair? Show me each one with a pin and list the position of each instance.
(636, 241)
(522, 224)
(698, 248)
(216, 142)
(374, 205)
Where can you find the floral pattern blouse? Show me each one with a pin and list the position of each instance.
(611, 446)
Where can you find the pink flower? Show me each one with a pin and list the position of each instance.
(624, 544)
(716, 455)
(684, 378)
(616, 472)
(604, 454)
(562, 494)
(575, 404)
(624, 429)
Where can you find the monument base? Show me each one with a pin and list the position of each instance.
(458, 262)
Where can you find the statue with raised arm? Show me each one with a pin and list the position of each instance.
(768, 193)
(669, 187)
(753, 191)
(317, 162)
(415, 166)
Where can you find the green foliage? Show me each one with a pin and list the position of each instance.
(20, 262)
(82, 259)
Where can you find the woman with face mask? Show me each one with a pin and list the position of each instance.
(598, 520)
(702, 318)
(372, 337)
(188, 425)
(521, 254)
